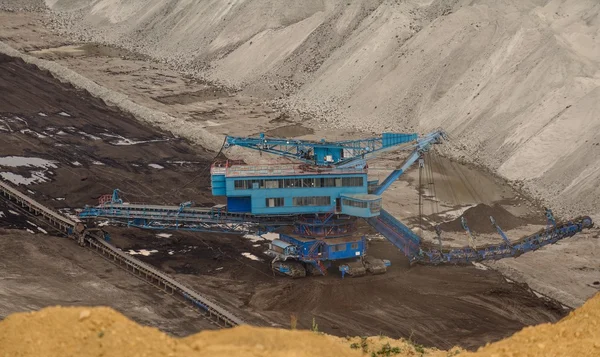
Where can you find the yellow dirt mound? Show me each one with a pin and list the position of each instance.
(82, 332)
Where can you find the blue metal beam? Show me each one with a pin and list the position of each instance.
(421, 146)
(324, 153)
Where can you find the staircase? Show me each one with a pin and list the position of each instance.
(397, 233)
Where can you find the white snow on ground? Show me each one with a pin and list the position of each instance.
(42, 114)
(31, 132)
(30, 231)
(251, 256)
(42, 230)
(2, 214)
(164, 235)
(18, 161)
(97, 163)
(64, 114)
(261, 238)
(36, 177)
(143, 252)
(60, 198)
(31, 162)
(102, 224)
(76, 163)
(13, 212)
(480, 266)
(156, 166)
(32, 224)
(93, 137)
(123, 141)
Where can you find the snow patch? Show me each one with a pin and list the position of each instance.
(64, 114)
(143, 252)
(30, 231)
(164, 235)
(97, 163)
(93, 137)
(2, 214)
(251, 256)
(13, 212)
(32, 133)
(42, 114)
(19, 161)
(76, 163)
(42, 230)
(156, 166)
(480, 266)
(260, 238)
(123, 141)
(60, 198)
(36, 177)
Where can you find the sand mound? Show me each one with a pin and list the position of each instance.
(478, 219)
(514, 81)
(81, 331)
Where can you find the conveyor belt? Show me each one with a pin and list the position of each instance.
(214, 312)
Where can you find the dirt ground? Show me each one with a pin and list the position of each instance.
(97, 148)
(93, 148)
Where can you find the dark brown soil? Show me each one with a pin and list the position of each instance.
(437, 306)
(478, 219)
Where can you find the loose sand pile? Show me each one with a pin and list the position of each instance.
(80, 331)
(516, 82)
(478, 219)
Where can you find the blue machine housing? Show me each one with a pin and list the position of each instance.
(294, 189)
(307, 249)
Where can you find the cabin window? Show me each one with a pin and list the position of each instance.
(352, 181)
(274, 202)
(312, 201)
(352, 203)
(338, 248)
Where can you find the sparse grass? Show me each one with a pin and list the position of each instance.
(452, 353)
(386, 351)
(314, 327)
(364, 344)
(418, 348)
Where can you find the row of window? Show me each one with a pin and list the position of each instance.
(375, 206)
(299, 183)
(352, 203)
(299, 201)
(312, 201)
(342, 247)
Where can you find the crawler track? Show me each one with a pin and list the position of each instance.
(210, 309)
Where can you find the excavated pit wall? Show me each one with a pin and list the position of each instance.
(515, 83)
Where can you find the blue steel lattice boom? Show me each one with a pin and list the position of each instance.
(314, 204)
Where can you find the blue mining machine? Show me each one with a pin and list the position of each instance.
(314, 204)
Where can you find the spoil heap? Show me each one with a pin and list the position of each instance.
(80, 331)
